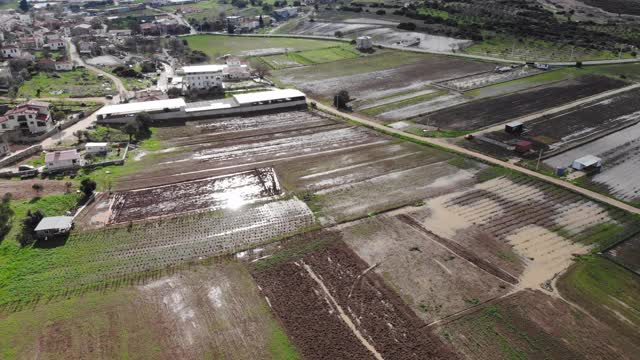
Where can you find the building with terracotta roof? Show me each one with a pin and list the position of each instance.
(33, 117)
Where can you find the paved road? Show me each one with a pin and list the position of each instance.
(455, 148)
(123, 93)
(559, 109)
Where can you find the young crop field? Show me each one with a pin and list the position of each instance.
(333, 307)
(76, 83)
(98, 256)
(212, 310)
(533, 325)
(377, 76)
(485, 112)
(217, 45)
(606, 290)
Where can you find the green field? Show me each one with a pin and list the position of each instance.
(214, 45)
(310, 57)
(605, 289)
(532, 49)
(76, 83)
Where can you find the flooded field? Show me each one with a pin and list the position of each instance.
(485, 112)
(620, 153)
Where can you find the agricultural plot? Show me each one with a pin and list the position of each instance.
(76, 83)
(627, 254)
(209, 310)
(534, 325)
(485, 112)
(501, 223)
(231, 192)
(432, 279)
(343, 172)
(309, 57)
(279, 62)
(620, 153)
(96, 256)
(333, 307)
(379, 76)
(490, 78)
(572, 128)
(616, 6)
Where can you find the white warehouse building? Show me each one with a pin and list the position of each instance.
(177, 109)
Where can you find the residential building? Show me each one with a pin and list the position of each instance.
(86, 47)
(53, 226)
(285, 13)
(82, 29)
(202, 77)
(10, 51)
(33, 117)
(62, 160)
(46, 64)
(55, 44)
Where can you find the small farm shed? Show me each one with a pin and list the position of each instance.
(523, 146)
(97, 147)
(515, 127)
(364, 43)
(54, 226)
(587, 163)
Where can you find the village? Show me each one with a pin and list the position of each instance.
(319, 179)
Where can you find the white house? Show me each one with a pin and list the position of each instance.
(63, 66)
(97, 148)
(10, 52)
(62, 160)
(31, 117)
(202, 77)
(364, 43)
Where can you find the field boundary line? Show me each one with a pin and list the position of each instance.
(452, 148)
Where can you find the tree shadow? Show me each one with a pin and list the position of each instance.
(34, 199)
(51, 242)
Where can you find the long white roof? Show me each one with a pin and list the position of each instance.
(267, 95)
(138, 107)
(195, 69)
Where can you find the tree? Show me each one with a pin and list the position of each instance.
(338, 34)
(579, 64)
(78, 134)
(341, 99)
(131, 129)
(261, 21)
(59, 115)
(262, 70)
(37, 188)
(67, 187)
(29, 224)
(87, 186)
(6, 214)
(24, 5)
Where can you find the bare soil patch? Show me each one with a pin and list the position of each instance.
(481, 113)
(627, 254)
(332, 307)
(23, 189)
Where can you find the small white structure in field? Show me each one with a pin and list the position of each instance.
(97, 148)
(364, 43)
(54, 226)
(62, 160)
(588, 162)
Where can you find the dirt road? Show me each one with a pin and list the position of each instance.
(455, 148)
(75, 57)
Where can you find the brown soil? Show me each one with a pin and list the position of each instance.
(491, 111)
(627, 254)
(23, 189)
(534, 325)
(311, 312)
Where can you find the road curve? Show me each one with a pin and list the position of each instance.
(455, 148)
(75, 57)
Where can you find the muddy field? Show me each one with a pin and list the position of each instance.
(231, 192)
(333, 308)
(207, 311)
(378, 76)
(351, 171)
(534, 325)
(23, 189)
(620, 153)
(499, 109)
